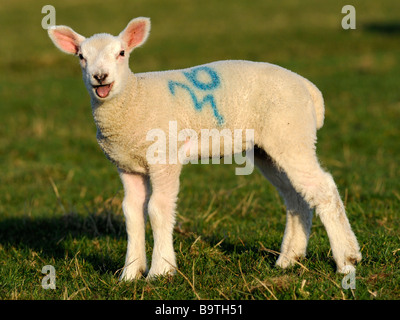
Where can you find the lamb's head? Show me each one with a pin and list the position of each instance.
(104, 58)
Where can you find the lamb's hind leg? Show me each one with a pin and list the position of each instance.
(319, 190)
(298, 215)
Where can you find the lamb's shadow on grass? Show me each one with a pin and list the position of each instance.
(51, 237)
(46, 236)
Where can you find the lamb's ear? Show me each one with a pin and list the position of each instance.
(66, 39)
(135, 33)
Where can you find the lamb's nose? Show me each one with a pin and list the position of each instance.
(100, 77)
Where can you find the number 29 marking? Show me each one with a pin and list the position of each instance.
(214, 83)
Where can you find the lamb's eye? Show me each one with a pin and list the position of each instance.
(122, 53)
(81, 56)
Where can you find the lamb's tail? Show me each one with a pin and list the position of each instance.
(318, 102)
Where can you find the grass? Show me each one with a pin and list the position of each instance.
(60, 199)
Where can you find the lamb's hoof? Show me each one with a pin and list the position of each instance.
(285, 262)
(347, 269)
(350, 263)
(130, 274)
(162, 272)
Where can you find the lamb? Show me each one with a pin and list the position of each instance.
(284, 110)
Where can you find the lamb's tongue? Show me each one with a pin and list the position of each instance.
(103, 91)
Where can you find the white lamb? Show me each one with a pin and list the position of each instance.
(284, 110)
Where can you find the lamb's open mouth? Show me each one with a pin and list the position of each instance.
(103, 90)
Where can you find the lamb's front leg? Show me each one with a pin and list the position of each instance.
(165, 187)
(134, 207)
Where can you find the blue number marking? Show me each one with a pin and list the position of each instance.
(198, 105)
(192, 76)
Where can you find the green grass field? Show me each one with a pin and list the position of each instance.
(60, 199)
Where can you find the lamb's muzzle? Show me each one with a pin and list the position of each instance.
(103, 90)
(100, 77)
